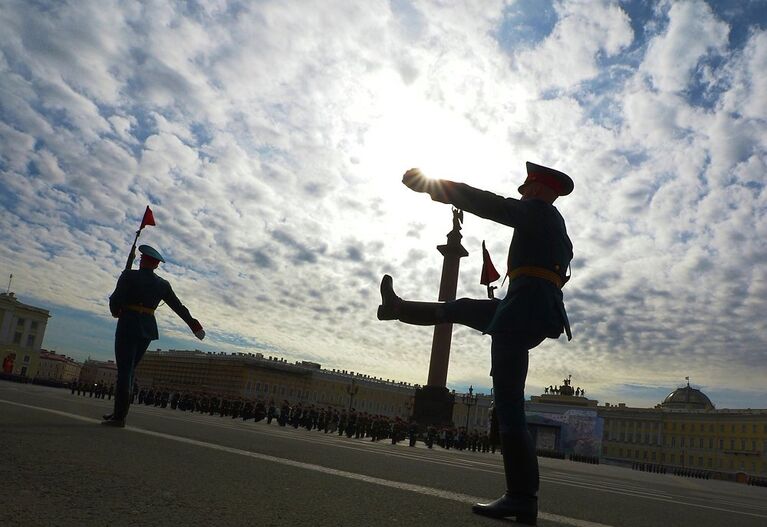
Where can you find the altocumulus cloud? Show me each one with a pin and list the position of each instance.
(270, 137)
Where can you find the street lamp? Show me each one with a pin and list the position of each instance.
(469, 400)
(352, 390)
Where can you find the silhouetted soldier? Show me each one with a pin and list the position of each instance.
(342, 423)
(247, 410)
(328, 419)
(351, 422)
(412, 432)
(538, 260)
(133, 302)
(334, 421)
(284, 414)
(259, 412)
(236, 405)
(321, 419)
(174, 399)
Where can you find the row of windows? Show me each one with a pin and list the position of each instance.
(622, 423)
(732, 444)
(710, 427)
(321, 397)
(649, 439)
(17, 337)
(20, 322)
(692, 427)
(266, 389)
(187, 372)
(689, 442)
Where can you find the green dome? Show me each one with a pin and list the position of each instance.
(687, 398)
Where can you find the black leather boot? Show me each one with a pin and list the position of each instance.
(390, 302)
(522, 509)
(120, 412)
(117, 423)
(520, 465)
(416, 313)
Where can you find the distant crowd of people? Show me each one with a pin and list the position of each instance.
(676, 471)
(353, 424)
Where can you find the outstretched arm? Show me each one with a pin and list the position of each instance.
(180, 309)
(507, 211)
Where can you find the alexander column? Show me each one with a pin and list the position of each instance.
(434, 402)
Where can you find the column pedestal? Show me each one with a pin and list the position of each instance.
(433, 406)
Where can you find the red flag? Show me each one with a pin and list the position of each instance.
(148, 218)
(489, 274)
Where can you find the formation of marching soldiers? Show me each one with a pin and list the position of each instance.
(99, 391)
(353, 424)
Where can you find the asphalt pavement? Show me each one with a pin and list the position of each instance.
(60, 467)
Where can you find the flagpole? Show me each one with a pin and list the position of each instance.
(132, 254)
(147, 219)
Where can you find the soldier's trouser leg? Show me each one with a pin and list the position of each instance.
(128, 353)
(509, 357)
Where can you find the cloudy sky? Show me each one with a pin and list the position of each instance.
(270, 137)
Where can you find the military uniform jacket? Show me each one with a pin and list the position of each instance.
(540, 240)
(143, 288)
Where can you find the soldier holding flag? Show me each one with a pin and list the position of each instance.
(133, 303)
(533, 309)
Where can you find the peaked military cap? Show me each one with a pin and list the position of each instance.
(151, 252)
(554, 179)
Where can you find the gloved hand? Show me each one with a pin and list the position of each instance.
(196, 328)
(415, 180)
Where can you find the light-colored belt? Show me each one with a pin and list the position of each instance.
(140, 309)
(537, 272)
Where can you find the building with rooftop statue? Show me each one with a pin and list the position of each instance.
(684, 431)
(564, 420)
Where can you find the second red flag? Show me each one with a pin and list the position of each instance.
(489, 273)
(148, 218)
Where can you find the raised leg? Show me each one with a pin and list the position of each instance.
(476, 314)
